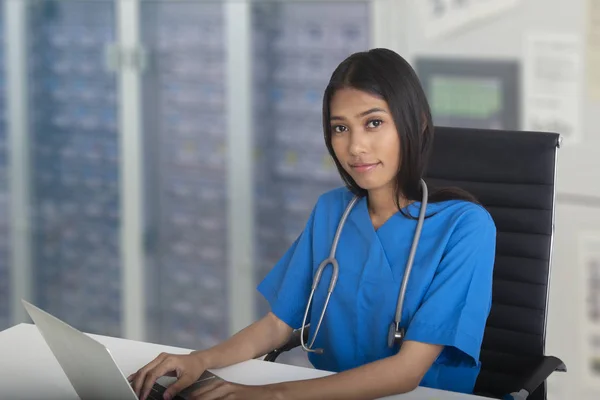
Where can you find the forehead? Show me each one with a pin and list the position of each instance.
(350, 100)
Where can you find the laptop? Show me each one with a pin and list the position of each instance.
(89, 365)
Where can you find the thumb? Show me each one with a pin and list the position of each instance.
(177, 386)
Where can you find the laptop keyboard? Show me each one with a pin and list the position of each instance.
(157, 391)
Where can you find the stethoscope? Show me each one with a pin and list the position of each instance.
(395, 332)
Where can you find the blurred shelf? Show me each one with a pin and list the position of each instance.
(75, 164)
(187, 131)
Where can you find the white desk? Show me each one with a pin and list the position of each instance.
(28, 369)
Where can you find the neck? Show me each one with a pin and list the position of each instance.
(382, 202)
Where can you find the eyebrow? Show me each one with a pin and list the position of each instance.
(362, 114)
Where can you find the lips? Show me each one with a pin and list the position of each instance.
(364, 167)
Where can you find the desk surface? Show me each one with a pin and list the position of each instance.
(30, 371)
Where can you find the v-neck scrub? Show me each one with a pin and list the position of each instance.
(448, 297)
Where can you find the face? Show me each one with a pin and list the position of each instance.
(364, 138)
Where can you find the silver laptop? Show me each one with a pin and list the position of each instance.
(88, 364)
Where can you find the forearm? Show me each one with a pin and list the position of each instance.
(253, 341)
(371, 381)
(397, 374)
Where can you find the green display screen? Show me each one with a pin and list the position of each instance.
(465, 96)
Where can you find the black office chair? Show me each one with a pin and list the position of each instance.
(512, 174)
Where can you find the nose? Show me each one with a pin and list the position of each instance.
(358, 143)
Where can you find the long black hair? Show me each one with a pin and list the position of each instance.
(384, 73)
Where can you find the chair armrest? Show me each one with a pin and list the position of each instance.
(292, 343)
(546, 366)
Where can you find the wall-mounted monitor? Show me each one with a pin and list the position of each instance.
(471, 93)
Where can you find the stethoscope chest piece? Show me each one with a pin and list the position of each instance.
(395, 336)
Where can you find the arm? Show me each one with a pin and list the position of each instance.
(397, 374)
(253, 341)
(256, 339)
(285, 286)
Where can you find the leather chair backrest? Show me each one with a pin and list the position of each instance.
(512, 174)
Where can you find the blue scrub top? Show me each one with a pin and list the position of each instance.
(448, 297)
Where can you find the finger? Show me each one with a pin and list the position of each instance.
(152, 376)
(131, 377)
(206, 388)
(140, 376)
(137, 378)
(212, 391)
(184, 381)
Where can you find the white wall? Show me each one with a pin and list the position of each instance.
(502, 37)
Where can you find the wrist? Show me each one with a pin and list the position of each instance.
(203, 358)
(281, 391)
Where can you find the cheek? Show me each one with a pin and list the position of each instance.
(338, 148)
(390, 148)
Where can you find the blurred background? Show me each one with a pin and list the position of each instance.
(158, 157)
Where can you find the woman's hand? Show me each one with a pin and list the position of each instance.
(187, 368)
(219, 389)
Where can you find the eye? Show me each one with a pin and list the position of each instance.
(374, 123)
(339, 128)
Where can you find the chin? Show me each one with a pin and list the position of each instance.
(369, 184)
(372, 183)
(367, 187)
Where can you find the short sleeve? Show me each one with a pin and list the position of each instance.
(456, 305)
(287, 286)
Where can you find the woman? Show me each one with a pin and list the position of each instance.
(378, 129)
